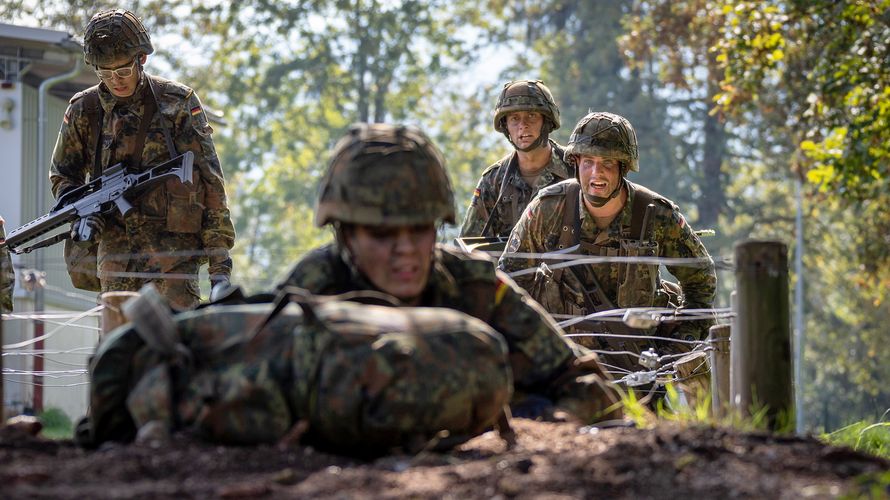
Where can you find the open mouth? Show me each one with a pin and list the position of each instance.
(405, 272)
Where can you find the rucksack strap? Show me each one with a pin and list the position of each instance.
(639, 216)
(95, 115)
(510, 167)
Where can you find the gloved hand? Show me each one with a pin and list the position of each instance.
(218, 286)
(93, 225)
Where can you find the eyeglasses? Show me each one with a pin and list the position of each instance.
(124, 72)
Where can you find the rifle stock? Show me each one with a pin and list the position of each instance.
(113, 189)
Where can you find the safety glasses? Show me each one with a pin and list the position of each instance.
(124, 72)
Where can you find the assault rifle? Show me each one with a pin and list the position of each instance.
(115, 188)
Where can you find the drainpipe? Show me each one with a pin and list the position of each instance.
(39, 260)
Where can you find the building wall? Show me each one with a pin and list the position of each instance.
(67, 346)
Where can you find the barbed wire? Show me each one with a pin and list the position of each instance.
(570, 259)
(33, 384)
(82, 351)
(45, 373)
(52, 332)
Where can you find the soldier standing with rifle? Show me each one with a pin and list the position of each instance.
(601, 213)
(526, 114)
(142, 120)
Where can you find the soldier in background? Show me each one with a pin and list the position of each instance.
(143, 121)
(600, 212)
(526, 114)
(384, 192)
(7, 273)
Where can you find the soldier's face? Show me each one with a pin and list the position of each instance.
(397, 259)
(599, 176)
(122, 75)
(524, 127)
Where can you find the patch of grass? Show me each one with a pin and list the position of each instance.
(871, 438)
(678, 407)
(56, 424)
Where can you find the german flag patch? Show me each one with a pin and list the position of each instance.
(196, 110)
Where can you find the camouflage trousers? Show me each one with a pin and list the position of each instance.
(130, 257)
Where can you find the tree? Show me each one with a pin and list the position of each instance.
(294, 76)
(823, 65)
(573, 47)
(670, 42)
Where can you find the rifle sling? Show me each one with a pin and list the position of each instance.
(150, 105)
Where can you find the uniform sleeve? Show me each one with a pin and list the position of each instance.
(480, 207)
(538, 351)
(69, 162)
(526, 237)
(217, 232)
(699, 283)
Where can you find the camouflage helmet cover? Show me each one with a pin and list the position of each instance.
(607, 135)
(525, 95)
(382, 174)
(114, 34)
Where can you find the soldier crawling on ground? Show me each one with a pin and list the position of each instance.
(143, 121)
(526, 114)
(384, 192)
(600, 212)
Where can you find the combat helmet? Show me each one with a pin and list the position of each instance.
(114, 34)
(526, 95)
(607, 135)
(382, 174)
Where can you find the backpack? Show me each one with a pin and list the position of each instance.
(362, 378)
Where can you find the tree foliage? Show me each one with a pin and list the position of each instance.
(824, 66)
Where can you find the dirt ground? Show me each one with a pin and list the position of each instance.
(549, 460)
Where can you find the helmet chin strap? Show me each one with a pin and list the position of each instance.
(599, 201)
(540, 141)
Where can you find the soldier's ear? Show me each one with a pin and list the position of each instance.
(142, 59)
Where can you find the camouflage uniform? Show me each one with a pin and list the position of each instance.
(539, 229)
(7, 273)
(500, 210)
(518, 194)
(403, 164)
(468, 283)
(175, 226)
(356, 378)
(562, 292)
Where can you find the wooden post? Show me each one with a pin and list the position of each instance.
(112, 313)
(720, 346)
(761, 336)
